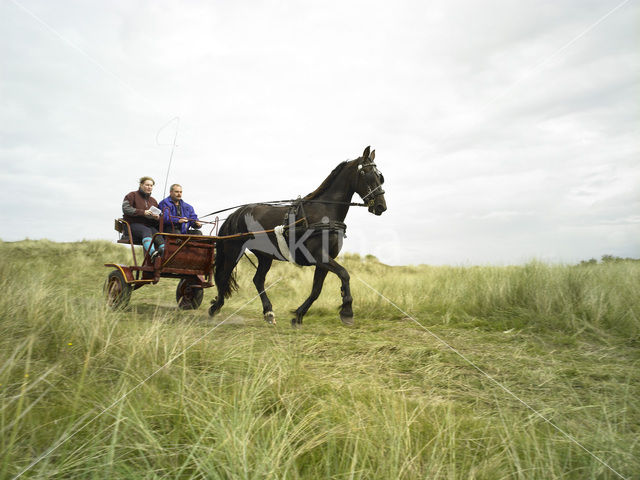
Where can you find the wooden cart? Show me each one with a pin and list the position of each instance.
(187, 257)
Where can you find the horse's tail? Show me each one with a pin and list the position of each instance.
(224, 265)
(225, 280)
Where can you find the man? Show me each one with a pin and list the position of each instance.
(138, 209)
(179, 216)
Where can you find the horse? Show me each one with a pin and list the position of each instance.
(315, 228)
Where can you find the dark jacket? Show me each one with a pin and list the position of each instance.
(172, 215)
(134, 206)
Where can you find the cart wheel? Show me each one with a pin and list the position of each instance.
(117, 291)
(188, 294)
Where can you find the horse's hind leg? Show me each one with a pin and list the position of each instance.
(223, 276)
(264, 264)
(318, 280)
(222, 279)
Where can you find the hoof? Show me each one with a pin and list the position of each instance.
(213, 310)
(270, 318)
(347, 320)
(295, 324)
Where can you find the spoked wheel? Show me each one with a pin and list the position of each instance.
(117, 291)
(189, 294)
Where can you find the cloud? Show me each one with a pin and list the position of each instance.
(504, 130)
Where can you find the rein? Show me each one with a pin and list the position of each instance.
(291, 202)
(381, 192)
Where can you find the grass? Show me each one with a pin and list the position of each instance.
(154, 392)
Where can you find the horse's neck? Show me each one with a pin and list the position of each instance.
(341, 192)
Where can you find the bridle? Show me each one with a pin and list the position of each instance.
(377, 191)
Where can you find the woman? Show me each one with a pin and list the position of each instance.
(137, 210)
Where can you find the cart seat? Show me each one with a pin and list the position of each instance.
(125, 240)
(121, 226)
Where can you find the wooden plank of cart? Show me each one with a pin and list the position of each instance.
(187, 257)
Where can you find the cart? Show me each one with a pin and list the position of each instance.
(187, 257)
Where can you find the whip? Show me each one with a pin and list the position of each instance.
(173, 147)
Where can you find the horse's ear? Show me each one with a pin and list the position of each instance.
(373, 155)
(365, 154)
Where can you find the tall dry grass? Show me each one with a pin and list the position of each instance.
(153, 392)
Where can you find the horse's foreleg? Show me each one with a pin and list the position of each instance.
(264, 264)
(318, 280)
(346, 311)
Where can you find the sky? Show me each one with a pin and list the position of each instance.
(506, 131)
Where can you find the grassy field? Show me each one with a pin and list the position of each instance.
(154, 392)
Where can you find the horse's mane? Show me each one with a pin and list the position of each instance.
(327, 181)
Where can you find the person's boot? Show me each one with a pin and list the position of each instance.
(148, 246)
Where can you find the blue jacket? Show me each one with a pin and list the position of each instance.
(170, 212)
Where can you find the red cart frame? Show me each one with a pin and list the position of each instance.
(187, 257)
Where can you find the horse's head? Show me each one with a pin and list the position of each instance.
(369, 182)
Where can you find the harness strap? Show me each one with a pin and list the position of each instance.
(282, 233)
(296, 209)
(283, 203)
(317, 228)
(282, 244)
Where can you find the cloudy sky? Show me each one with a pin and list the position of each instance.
(506, 130)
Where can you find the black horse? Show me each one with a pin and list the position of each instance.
(308, 232)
